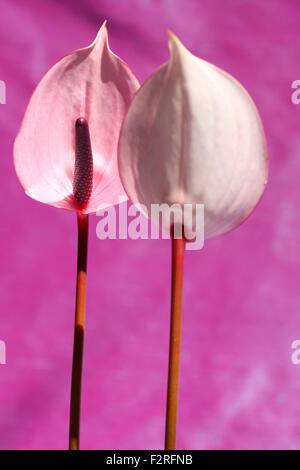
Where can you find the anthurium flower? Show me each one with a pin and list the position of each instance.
(66, 155)
(92, 83)
(192, 135)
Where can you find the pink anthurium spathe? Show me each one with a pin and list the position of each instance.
(192, 135)
(65, 155)
(92, 83)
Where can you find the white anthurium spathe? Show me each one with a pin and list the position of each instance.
(192, 135)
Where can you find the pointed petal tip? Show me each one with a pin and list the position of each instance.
(104, 27)
(102, 31)
(175, 45)
(172, 36)
(173, 39)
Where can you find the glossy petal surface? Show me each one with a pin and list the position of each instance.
(90, 82)
(193, 135)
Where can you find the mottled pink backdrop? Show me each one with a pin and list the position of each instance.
(239, 389)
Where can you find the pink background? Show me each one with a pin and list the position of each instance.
(239, 388)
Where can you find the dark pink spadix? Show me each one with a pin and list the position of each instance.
(83, 174)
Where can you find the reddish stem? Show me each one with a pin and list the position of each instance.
(74, 435)
(178, 246)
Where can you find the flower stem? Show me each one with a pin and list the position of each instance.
(178, 246)
(82, 221)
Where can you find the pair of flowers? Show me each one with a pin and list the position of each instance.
(191, 135)
(91, 136)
